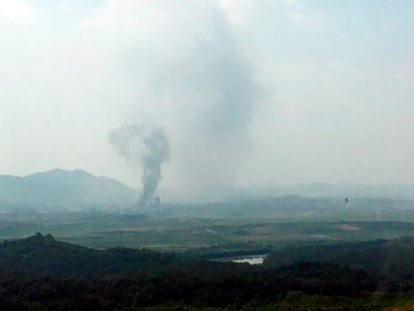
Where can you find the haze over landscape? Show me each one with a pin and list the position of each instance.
(207, 155)
(247, 92)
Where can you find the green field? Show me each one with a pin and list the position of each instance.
(103, 230)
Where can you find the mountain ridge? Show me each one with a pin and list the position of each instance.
(64, 188)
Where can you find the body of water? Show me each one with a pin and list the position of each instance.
(250, 259)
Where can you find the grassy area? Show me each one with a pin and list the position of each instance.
(99, 230)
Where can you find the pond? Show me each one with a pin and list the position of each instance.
(250, 259)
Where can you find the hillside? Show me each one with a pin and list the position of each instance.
(44, 274)
(390, 259)
(45, 255)
(64, 188)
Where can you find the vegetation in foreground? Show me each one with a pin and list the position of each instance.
(42, 273)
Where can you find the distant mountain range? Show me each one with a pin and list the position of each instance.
(79, 189)
(401, 191)
(65, 188)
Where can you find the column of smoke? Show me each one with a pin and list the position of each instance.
(149, 148)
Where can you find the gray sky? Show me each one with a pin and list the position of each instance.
(248, 92)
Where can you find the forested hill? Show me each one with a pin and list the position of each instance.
(44, 274)
(44, 255)
(389, 259)
(63, 188)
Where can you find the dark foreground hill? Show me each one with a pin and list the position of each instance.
(387, 259)
(44, 255)
(64, 188)
(44, 274)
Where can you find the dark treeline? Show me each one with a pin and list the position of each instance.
(41, 273)
(389, 260)
(193, 285)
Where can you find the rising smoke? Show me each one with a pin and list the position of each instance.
(148, 148)
(204, 90)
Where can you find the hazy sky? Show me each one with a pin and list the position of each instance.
(247, 91)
